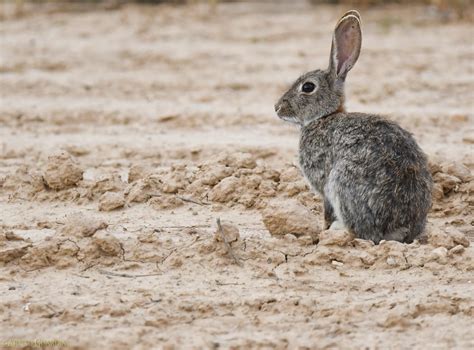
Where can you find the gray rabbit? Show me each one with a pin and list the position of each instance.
(373, 176)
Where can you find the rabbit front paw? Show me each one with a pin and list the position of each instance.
(337, 225)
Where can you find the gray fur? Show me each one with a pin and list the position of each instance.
(373, 176)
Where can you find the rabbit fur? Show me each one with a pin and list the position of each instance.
(373, 176)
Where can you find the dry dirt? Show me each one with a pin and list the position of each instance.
(125, 134)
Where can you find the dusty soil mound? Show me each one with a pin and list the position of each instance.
(122, 141)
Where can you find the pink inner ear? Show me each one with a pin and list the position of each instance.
(347, 38)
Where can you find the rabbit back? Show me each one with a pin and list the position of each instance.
(372, 173)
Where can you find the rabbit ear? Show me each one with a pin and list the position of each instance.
(353, 13)
(346, 44)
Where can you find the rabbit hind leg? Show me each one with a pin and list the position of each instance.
(399, 235)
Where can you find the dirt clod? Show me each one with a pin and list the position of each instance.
(111, 200)
(62, 171)
(335, 237)
(107, 244)
(82, 225)
(457, 170)
(230, 232)
(290, 218)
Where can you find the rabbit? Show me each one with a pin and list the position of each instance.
(372, 175)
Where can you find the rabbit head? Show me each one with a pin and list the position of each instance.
(321, 92)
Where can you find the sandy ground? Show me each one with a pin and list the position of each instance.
(125, 134)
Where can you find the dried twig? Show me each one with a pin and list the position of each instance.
(115, 274)
(226, 243)
(184, 199)
(219, 283)
(190, 200)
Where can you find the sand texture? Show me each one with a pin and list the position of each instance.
(125, 134)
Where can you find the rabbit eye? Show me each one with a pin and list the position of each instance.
(308, 87)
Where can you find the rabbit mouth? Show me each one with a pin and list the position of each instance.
(292, 120)
(285, 113)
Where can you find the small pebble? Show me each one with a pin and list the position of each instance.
(457, 249)
(391, 261)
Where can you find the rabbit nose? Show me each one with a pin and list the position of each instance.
(277, 107)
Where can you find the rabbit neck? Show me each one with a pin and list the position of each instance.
(336, 107)
(339, 110)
